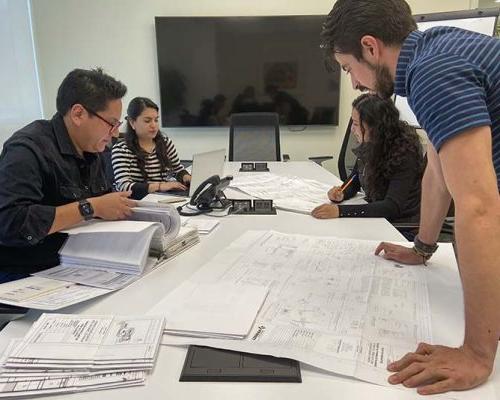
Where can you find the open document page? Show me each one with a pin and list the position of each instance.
(332, 303)
(99, 278)
(287, 192)
(46, 294)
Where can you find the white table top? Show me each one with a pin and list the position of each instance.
(139, 297)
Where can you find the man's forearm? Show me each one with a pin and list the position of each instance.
(66, 217)
(478, 240)
(435, 204)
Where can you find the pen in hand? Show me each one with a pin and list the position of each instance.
(346, 185)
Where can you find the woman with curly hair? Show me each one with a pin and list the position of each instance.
(146, 161)
(389, 166)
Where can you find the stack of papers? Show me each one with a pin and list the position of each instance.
(186, 238)
(121, 246)
(72, 353)
(203, 225)
(211, 310)
(165, 214)
(71, 283)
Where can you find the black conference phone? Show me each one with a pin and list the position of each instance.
(209, 195)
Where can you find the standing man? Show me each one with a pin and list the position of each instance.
(52, 175)
(451, 78)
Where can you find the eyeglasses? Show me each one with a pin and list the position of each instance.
(112, 126)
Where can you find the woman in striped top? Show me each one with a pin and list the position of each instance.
(146, 161)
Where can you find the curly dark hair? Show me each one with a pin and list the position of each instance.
(135, 108)
(391, 141)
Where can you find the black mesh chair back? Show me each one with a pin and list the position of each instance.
(347, 159)
(254, 137)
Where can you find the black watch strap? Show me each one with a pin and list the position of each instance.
(86, 209)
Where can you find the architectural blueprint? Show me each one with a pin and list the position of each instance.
(331, 304)
(288, 192)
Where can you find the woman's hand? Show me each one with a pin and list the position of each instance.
(169, 186)
(326, 211)
(186, 179)
(336, 194)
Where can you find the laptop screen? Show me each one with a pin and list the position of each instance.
(205, 165)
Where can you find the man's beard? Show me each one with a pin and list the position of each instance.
(384, 85)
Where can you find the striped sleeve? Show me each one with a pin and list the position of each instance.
(172, 156)
(447, 96)
(122, 159)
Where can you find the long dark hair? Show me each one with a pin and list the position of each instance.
(391, 141)
(135, 108)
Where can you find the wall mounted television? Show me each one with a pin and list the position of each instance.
(211, 67)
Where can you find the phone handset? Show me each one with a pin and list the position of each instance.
(204, 194)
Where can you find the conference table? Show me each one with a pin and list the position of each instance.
(139, 297)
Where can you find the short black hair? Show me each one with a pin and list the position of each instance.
(90, 88)
(388, 20)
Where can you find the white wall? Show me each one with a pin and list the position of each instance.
(19, 91)
(119, 36)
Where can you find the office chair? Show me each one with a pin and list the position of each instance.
(254, 137)
(347, 159)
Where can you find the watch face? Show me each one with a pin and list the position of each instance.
(86, 209)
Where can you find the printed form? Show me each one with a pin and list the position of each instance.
(332, 303)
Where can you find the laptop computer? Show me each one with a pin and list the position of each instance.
(204, 166)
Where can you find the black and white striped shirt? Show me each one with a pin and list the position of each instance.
(128, 175)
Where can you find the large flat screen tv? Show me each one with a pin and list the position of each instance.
(211, 67)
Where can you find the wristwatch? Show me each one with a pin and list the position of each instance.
(86, 209)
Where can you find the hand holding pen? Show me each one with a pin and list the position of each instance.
(336, 194)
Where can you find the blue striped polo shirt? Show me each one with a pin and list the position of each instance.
(451, 78)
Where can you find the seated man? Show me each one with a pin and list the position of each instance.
(52, 175)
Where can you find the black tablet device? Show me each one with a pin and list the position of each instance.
(206, 364)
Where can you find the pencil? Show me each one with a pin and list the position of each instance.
(345, 185)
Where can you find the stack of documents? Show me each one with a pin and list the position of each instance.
(186, 238)
(121, 246)
(165, 214)
(90, 269)
(71, 353)
(204, 225)
(211, 310)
